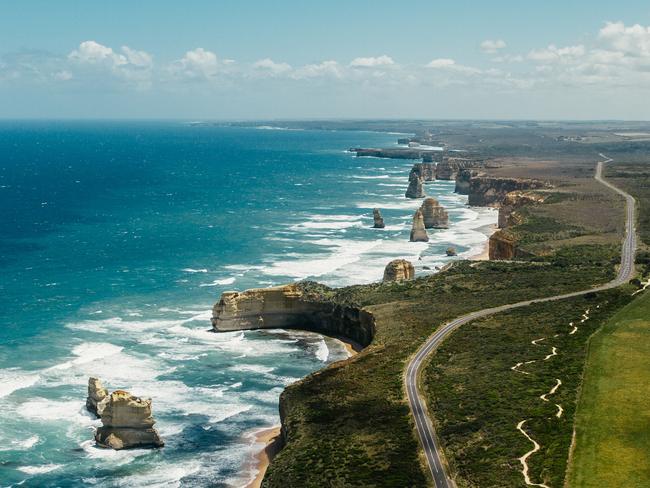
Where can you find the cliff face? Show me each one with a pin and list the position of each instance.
(508, 214)
(291, 307)
(399, 270)
(486, 191)
(446, 170)
(462, 180)
(502, 246)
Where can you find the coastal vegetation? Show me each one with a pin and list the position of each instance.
(350, 424)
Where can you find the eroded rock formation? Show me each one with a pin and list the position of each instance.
(446, 170)
(418, 231)
(378, 219)
(488, 191)
(451, 251)
(509, 210)
(97, 397)
(399, 270)
(462, 180)
(502, 246)
(294, 306)
(426, 171)
(434, 215)
(415, 188)
(127, 423)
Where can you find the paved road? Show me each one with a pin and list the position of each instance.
(423, 423)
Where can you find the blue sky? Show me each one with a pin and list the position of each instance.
(289, 59)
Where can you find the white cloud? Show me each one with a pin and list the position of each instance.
(131, 66)
(554, 54)
(634, 40)
(271, 67)
(492, 47)
(197, 64)
(441, 63)
(63, 75)
(372, 62)
(326, 68)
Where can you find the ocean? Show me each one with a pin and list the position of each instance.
(116, 240)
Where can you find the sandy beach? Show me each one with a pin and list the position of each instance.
(271, 439)
(484, 255)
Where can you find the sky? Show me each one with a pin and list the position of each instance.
(285, 59)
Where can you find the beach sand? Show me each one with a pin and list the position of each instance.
(272, 442)
(484, 255)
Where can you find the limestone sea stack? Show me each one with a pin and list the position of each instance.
(435, 216)
(418, 231)
(451, 251)
(399, 270)
(127, 423)
(425, 170)
(415, 189)
(97, 397)
(379, 220)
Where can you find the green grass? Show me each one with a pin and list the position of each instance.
(612, 444)
(477, 400)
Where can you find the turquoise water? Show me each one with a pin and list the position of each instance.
(116, 240)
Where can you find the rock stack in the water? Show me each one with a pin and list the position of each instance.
(435, 216)
(451, 251)
(97, 396)
(399, 270)
(418, 231)
(425, 170)
(126, 419)
(379, 220)
(415, 189)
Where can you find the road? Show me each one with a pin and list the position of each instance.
(423, 424)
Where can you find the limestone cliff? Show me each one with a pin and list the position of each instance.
(378, 219)
(294, 306)
(418, 231)
(509, 213)
(462, 180)
(127, 423)
(97, 397)
(446, 171)
(399, 270)
(434, 215)
(487, 191)
(415, 188)
(393, 153)
(449, 167)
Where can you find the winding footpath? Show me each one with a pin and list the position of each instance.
(423, 423)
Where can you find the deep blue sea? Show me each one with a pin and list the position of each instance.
(117, 238)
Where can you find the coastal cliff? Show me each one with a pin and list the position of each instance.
(488, 191)
(513, 201)
(463, 178)
(295, 306)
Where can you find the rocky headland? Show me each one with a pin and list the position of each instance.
(490, 191)
(296, 306)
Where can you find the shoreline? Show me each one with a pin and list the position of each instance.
(484, 255)
(271, 437)
(272, 441)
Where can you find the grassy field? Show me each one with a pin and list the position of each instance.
(612, 442)
(478, 400)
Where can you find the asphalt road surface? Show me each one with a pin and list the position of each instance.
(423, 423)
